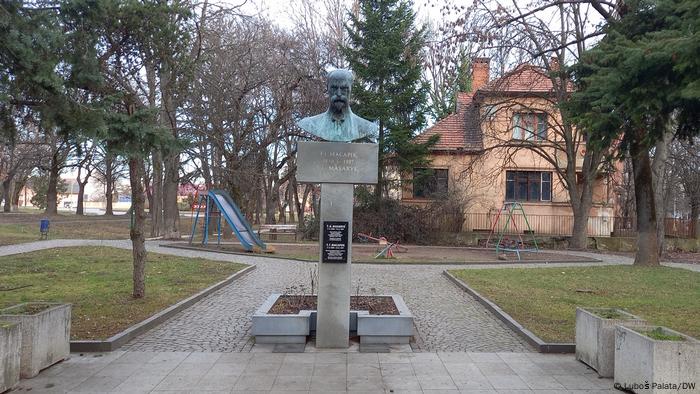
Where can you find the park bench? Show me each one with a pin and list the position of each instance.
(272, 230)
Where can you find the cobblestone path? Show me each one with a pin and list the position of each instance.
(446, 318)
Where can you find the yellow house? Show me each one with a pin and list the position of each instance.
(487, 155)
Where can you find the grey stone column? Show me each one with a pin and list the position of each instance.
(333, 316)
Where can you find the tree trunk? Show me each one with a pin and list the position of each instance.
(171, 159)
(270, 208)
(658, 170)
(16, 192)
(109, 184)
(156, 202)
(291, 203)
(694, 221)
(138, 240)
(7, 194)
(171, 212)
(647, 246)
(380, 174)
(81, 193)
(109, 196)
(52, 190)
(579, 235)
(308, 189)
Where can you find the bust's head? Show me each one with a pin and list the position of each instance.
(339, 87)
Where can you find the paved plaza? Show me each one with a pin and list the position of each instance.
(459, 346)
(322, 372)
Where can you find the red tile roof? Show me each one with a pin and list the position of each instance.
(452, 128)
(461, 131)
(525, 78)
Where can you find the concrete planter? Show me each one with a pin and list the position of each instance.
(10, 345)
(646, 365)
(372, 329)
(595, 336)
(386, 329)
(45, 335)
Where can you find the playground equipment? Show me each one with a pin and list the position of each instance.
(389, 247)
(504, 243)
(219, 203)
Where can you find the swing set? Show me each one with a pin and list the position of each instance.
(505, 244)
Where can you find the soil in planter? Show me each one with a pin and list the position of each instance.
(607, 313)
(661, 335)
(292, 304)
(29, 309)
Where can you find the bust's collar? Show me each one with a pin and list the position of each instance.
(345, 117)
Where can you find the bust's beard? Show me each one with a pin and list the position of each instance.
(338, 107)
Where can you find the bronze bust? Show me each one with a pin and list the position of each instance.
(338, 123)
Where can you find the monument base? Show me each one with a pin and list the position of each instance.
(334, 277)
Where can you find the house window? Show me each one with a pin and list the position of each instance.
(429, 182)
(530, 126)
(528, 186)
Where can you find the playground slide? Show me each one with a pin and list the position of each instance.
(236, 220)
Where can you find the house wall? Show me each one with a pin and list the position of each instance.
(478, 181)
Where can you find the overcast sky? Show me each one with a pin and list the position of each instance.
(279, 10)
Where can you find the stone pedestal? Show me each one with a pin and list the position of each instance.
(333, 325)
(337, 167)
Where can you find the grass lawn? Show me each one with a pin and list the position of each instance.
(544, 300)
(97, 281)
(20, 228)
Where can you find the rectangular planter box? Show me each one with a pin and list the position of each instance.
(374, 329)
(595, 337)
(10, 346)
(646, 365)
(386, 329)
(45, 335)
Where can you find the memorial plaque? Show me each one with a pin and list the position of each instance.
(337, 162)
(335, 242)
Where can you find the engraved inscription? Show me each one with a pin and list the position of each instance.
(339, 161)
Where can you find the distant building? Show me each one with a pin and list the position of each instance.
(471, 164)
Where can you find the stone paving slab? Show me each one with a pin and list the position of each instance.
(325, 372)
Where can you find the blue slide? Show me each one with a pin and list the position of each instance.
(236, 220)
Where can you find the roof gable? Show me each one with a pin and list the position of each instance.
(461, 131)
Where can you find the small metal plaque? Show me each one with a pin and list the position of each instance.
(335, 242)
(337, 162)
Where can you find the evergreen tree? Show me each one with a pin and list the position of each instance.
(641, 80)
(384, 52)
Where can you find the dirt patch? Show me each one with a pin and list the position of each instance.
(407, 254)
(683, 257)
(375, 305)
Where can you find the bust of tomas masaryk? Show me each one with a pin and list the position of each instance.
(338, 123)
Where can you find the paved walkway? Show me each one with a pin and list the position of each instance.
(185, 372)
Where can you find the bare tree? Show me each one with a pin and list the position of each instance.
(684, 165)
(109, 169)
(21, 149)
(548, 34)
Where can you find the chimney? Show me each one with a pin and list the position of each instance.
(480, 72)
(554, 64)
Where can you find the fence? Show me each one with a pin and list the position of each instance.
(678, 228)
(555, 225)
